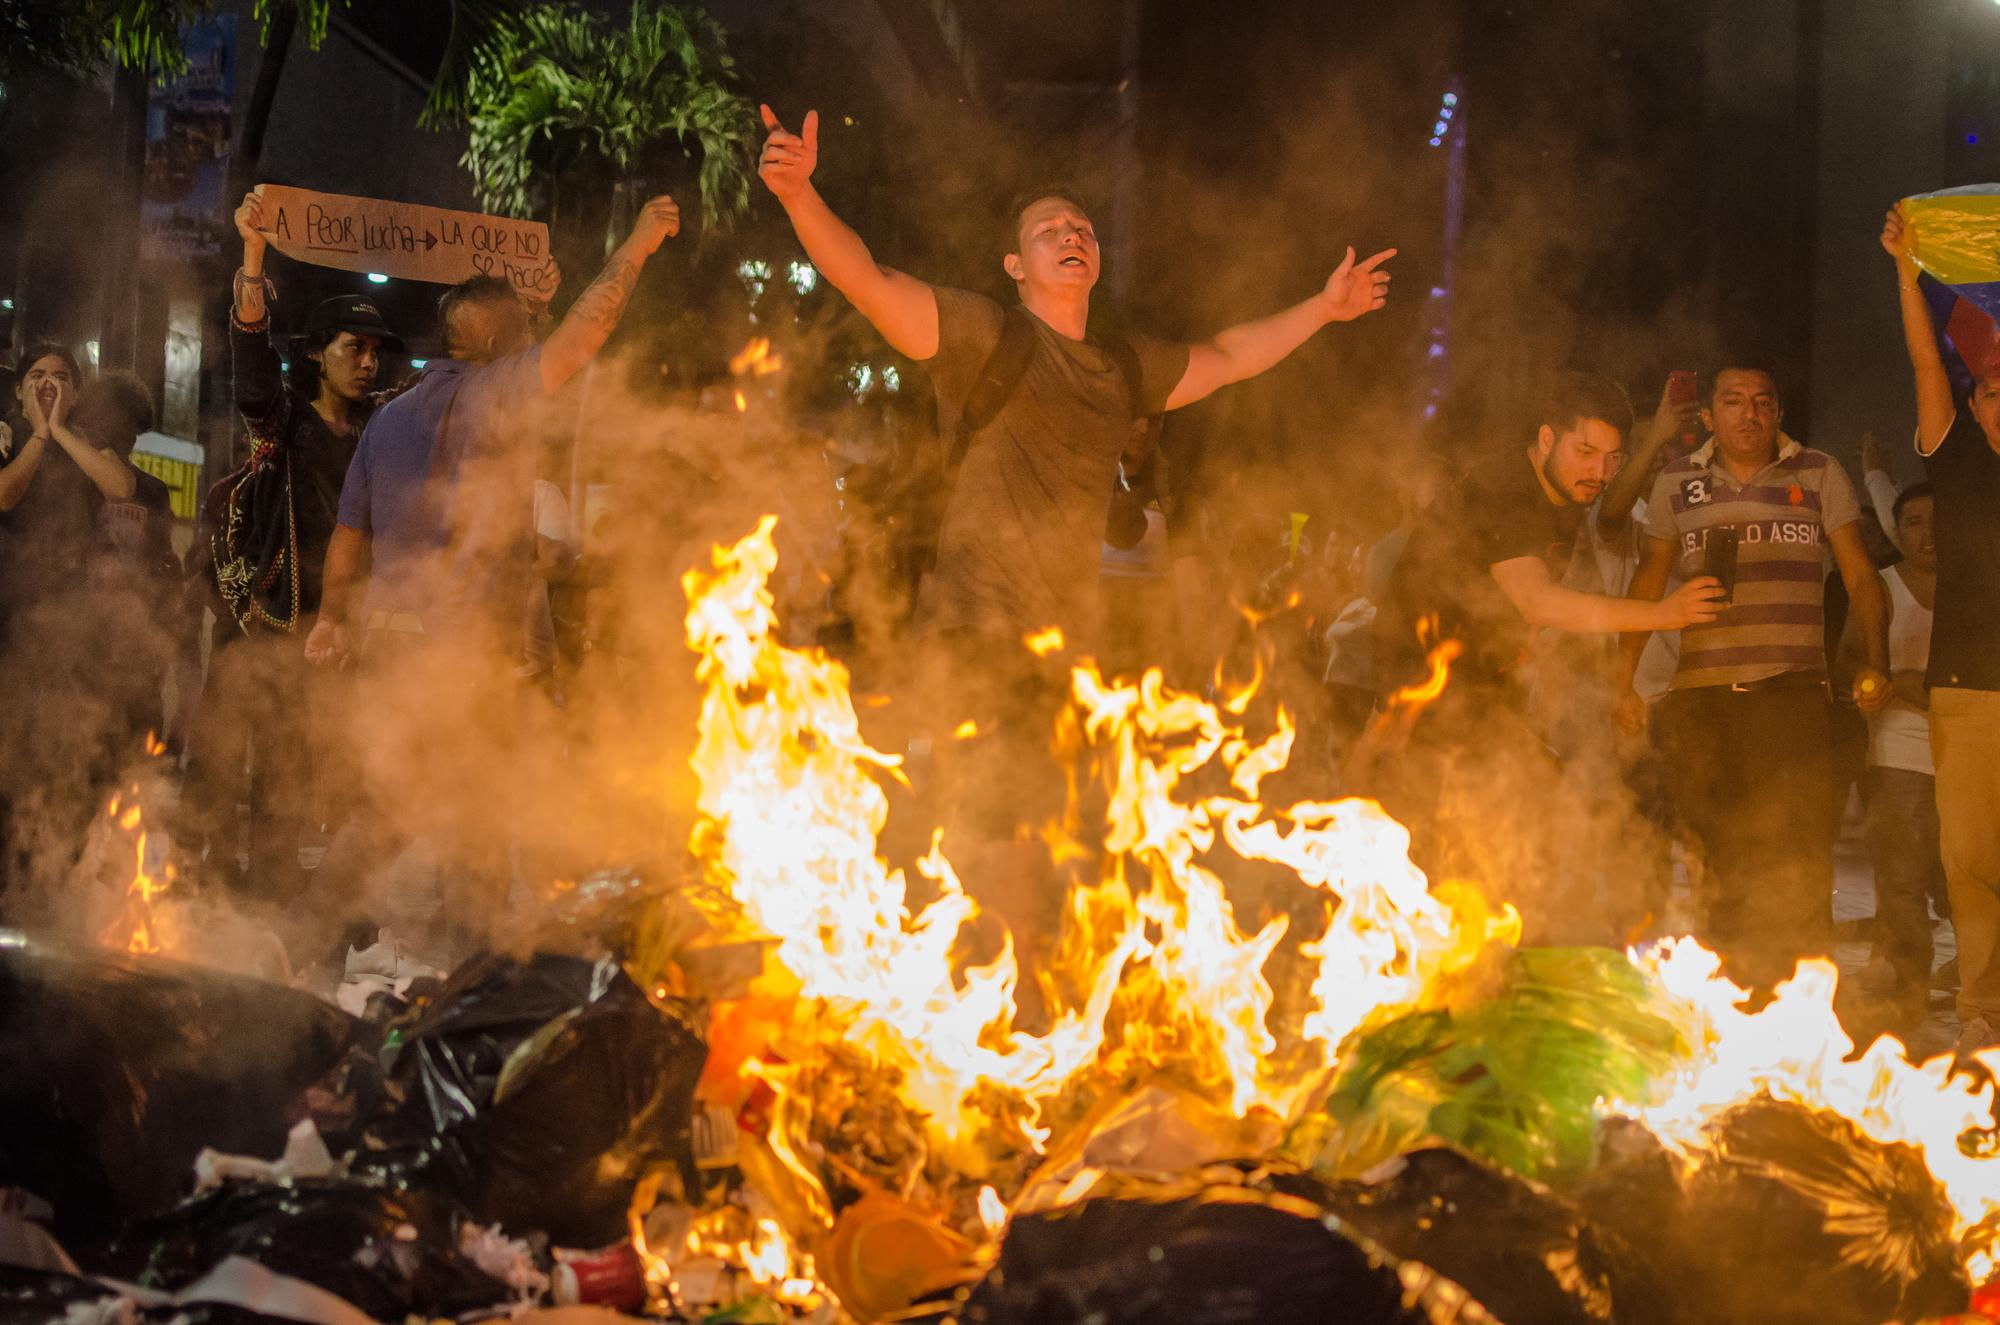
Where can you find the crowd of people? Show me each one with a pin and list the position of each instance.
(1676, 640)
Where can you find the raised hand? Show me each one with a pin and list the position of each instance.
(35, 405)
(1356, 288)
(250, 221)
(1896, 238)
(61, 396)
(787, 164)
(1875, 454)
(658, 221)
(1675, 418)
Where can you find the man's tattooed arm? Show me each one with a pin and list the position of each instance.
(599, 308)
(594, 316)
(590, 320)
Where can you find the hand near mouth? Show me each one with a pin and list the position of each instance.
(39, 405)
(55, 404)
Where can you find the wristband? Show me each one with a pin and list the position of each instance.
(264, 282)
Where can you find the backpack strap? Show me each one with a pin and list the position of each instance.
(1126, 356)
(998, 378)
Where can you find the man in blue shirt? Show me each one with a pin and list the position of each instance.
(437, 502)
(427, 510)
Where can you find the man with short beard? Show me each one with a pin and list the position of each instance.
(1745, 725)
(1960, 443)
(1484, 568)
(1487, 562)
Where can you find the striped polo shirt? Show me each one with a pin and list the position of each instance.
(1776, 620)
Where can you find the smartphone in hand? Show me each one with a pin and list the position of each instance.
(1718, 558)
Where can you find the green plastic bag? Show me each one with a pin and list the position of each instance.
(1515, 1080)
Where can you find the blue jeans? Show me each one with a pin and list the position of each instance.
(1909, 873)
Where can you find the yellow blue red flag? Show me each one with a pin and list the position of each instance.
(1954, 236)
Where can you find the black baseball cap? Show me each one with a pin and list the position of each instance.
(351, 312)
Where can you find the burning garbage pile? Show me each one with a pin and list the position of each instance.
(777, 1088)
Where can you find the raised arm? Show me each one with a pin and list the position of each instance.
(258, 374)
(1671, 419)
(898, 305)
(1244, 351)
(1934, 403)
(1542, 602)
(248, 303)
(1880, 484)
(598, 310)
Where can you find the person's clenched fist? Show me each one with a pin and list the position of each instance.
(658, 221)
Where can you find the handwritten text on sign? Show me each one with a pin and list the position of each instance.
(408, 240)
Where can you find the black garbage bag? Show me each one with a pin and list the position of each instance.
(539, 1093)
(34, 1297)
(206, 1313)
(1220, 1256)
(116, 1071)
(389, 1251)
(1801, 1218)
(1522, 1250)
(38, 1297)
(1633, 1198)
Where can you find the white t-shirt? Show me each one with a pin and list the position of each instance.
(1900, 735)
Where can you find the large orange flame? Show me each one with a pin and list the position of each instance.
(792, 810)
(1153, 972)
(1163, 975)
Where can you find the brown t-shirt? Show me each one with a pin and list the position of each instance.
(1024, 525)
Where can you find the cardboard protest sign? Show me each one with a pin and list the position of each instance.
(408, 240)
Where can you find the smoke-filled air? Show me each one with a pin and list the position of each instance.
(874, 661)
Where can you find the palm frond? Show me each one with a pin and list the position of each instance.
(146, 34)
(555, 88)
(478, 36)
